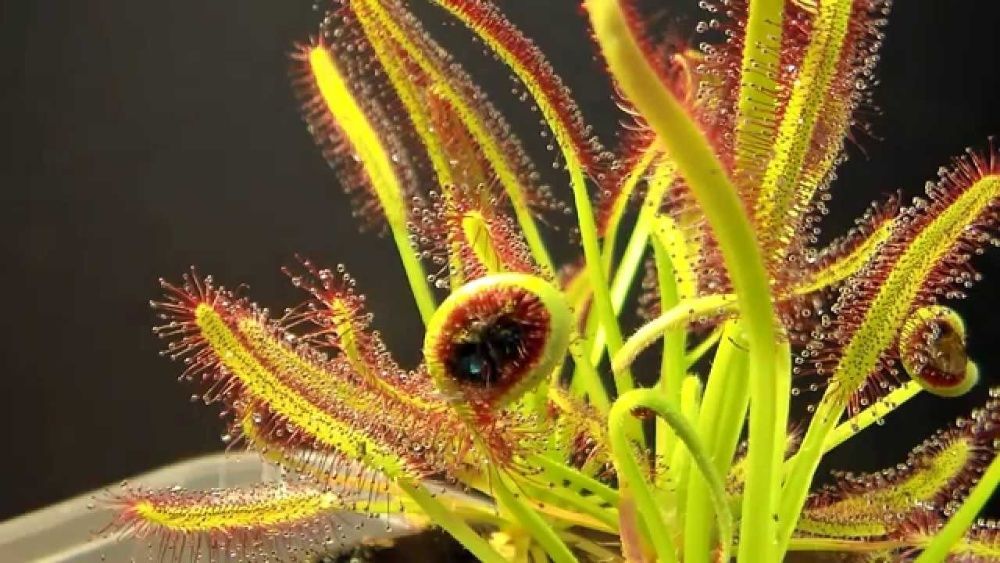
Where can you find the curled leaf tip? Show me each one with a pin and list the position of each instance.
(495, 338)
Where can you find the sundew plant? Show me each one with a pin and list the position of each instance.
(524, 432)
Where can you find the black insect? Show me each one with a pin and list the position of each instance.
(482, 356)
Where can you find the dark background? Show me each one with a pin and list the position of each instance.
(145, 137)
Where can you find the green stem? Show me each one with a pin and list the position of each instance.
(628, 186)
(455, 526)
(595, 272)
(802, 467)
(626, 271)
(723, 412)
(590, 547)
(529, 228)
(573, 502)
(531, 521)
(960, 521)
(586, 380)
(683, 313)
(717, 196)
(551, 507)
(782, 393)
(680, 459)
(871, 415)
(703, 347)
(634, 251)
(632, 478)
(633, 533)
(576, 478)
(415, 273)
(630, 472)
(672, 365)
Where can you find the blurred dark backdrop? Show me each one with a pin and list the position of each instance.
(145, 137)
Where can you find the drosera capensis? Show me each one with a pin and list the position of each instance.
(526, 430)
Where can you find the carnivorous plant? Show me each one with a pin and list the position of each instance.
(527, 432)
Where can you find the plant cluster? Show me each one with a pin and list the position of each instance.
(523, 433)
